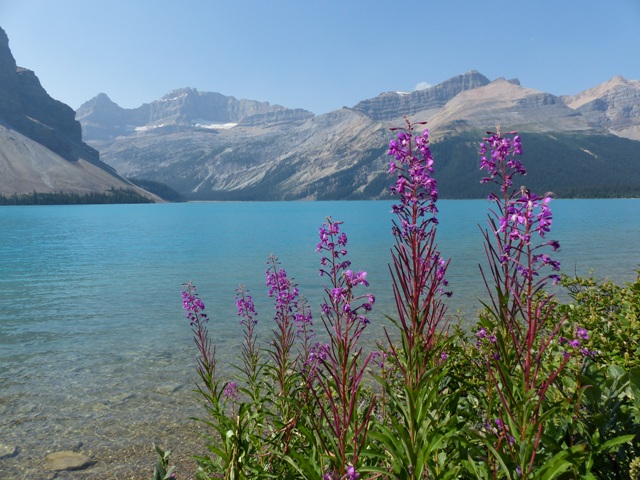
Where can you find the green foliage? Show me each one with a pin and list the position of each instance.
(634, 471)
(444, 425)
(609, 409)
(162, 471)
(418, 433)
(611, 314)
(114, 195)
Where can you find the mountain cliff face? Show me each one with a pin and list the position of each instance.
(41, 147)
(392, 105)
(26, 107)
(211, 147)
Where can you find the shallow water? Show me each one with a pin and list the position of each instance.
(95, 352)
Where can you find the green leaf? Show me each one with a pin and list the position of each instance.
(617, 441)
(560, 462)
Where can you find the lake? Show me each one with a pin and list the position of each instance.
(95, 352)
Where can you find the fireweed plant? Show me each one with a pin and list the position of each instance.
(340, 365)
(293, 320)
(519, 335)
(522, 395)
(225, 437)
(415, 432)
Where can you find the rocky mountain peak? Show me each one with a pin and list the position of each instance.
(391, 105)
(505, 102)
(608, 88)
(613, 105)
(277, 153)
(103, 99)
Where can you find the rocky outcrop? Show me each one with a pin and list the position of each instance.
(391, 105)
(296, 115)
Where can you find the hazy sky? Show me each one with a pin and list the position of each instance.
(316, 54)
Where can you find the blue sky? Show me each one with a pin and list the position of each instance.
(318, 55)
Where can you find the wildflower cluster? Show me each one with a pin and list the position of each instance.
(280, 287)
(287, 299)
(512, 399)
(581, 334)
(251, 352)
(340, 366)
(502, 165)
(413, 371)
(292, 318)
(246, 308)
(193, 305)
(518, 329)
(418, 269)
(340, 298)
(415, 187)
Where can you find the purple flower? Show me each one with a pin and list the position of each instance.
(317, 355)
(378, 358)
(522, 213)
(575, 343)
(503, 165)
(304, 320)
(246, 308)
(414, 186)
(231, 391)
(330, 239)
(582, 333)
(289, 308)
(341, 302)
(351, 473)
(193, 305)
(354, 279)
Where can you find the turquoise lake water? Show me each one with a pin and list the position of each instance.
(94, 347)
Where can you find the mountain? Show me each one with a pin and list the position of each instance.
(208, 146)
(391, 105)
(178, 110)
(41, 147)
(613, 105)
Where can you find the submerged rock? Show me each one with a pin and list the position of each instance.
(7, 451)
(66, 460)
